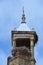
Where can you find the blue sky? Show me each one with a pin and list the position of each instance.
(10, 17)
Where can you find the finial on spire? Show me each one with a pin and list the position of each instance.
(23, 10)
(23, 17)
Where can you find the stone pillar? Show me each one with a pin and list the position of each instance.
(32, 51)
(14, 43)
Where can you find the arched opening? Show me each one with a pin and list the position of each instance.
(23, 42)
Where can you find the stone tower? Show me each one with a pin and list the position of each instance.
(23, 42)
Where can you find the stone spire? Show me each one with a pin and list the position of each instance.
(23, 17)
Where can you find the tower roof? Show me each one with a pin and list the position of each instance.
(23, 26)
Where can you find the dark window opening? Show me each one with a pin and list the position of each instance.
(23, 42)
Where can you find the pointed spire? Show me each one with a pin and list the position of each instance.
(23, 10)
(23, 17)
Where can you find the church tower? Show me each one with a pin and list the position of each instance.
(23, 43)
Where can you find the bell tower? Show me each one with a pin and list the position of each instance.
(23, 43)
